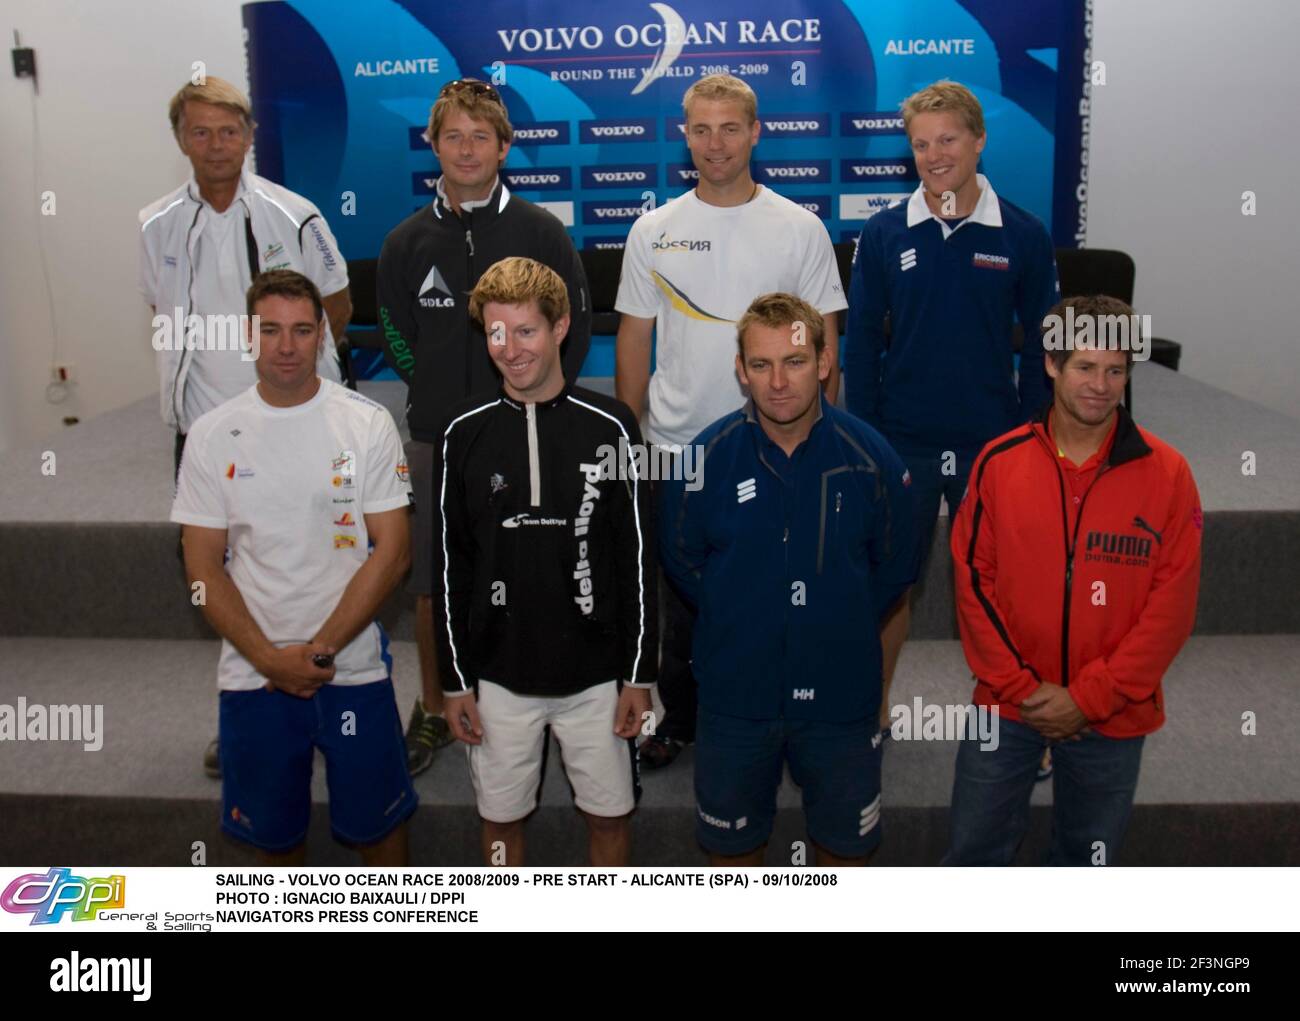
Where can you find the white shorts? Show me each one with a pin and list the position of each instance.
(507, 767)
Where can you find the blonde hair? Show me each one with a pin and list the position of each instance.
(215, 91)
(517, 281)
(722, 88)
(946, 96)
(773, 310)
(478, 107)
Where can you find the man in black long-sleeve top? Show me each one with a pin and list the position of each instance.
(429, 264)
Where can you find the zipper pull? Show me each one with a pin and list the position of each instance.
(469, 240)
(786, 537)
(839, 498)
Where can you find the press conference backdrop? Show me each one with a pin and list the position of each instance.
(341, 91)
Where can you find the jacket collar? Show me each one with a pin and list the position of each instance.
(518, 406)
(752, 417)
(483, 209)
(1128, 445)
(246, 187)
(987, 211)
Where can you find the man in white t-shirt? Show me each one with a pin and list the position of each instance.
(690, 270)
(202, 244)
(300, 486)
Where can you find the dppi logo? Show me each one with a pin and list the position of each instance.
(48, 897)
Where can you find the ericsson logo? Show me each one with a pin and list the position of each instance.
(434, 292)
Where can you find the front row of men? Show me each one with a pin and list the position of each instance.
(793, 542)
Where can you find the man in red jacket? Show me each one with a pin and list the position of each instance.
(1077, 555)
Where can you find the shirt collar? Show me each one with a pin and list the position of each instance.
(987, 210)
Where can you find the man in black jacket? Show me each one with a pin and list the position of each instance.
(544, 578)
(429, 264)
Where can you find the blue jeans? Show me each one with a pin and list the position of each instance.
(1093, 781)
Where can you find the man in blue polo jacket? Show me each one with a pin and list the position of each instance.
(951, 268)
(793, 543)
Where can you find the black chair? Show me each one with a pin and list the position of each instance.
(365, 303)
(1089, 271)
(363, 327)
(603, 267)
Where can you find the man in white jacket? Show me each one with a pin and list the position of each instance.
(202, 245)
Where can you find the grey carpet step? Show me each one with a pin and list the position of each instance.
(86, 552)
(1208, 794)
(124, 580)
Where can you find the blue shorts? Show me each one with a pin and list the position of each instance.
(267, 742)
(738, 768)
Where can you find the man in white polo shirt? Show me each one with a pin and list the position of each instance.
(690, 270)
(200, 248)
(295, 503)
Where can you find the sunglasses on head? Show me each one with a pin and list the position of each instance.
(472, 86)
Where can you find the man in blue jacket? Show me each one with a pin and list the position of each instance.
(793, 544)
(951, 268)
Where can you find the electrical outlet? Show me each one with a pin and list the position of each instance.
(61, 372)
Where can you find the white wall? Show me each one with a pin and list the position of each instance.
(1199, 106)
(106, 71)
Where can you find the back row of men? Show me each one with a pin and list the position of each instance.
(531, 545)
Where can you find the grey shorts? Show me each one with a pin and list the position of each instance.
(419, 457)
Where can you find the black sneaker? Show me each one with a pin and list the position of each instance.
(656, 752)
(425, 734)
(212, 759)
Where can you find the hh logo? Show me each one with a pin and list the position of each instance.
(746, 490)
(907, 259)
(804, 694)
